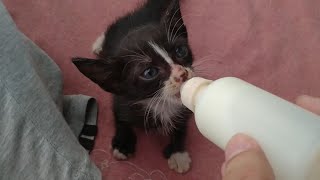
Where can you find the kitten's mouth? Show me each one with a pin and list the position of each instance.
(176, 81)
(188, 75)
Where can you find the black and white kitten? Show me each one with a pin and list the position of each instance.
(143, 59)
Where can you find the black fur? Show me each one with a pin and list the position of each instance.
(114, 73)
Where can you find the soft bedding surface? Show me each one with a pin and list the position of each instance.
(274, 44)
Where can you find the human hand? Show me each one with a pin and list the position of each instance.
(245, 159)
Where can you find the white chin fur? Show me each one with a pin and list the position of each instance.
(180, 162)
(168, 107)
(97, 45)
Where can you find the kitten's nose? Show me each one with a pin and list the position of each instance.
(180, 73)
(184, 75)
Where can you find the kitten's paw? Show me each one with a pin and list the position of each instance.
(180, 162)
(123, 147)
(118, 155)
(97, 45)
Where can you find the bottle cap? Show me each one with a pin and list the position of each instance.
(189, 91)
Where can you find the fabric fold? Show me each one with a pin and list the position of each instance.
(39, 127)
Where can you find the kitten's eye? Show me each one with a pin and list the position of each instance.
(182, 52)
(150, 73)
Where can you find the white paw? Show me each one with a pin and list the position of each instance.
(118, 155)
(180, 162)
(97, 45)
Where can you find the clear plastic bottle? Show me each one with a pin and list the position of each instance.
(288, 134)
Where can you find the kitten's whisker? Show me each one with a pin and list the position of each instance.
(206, 67)
(174, 36)
(205, 57)
(154, 93)
(200, 63)
(156, 107)
(133, 55)
(149, 106)
(138, 54)
(171, 22)
(152, 100)
(191, 14)
(136, 70)
(166, 29)
(178, 36)
(172, 39)
(142, 51)
(131, 32)
(147, 112)
(204, 60)
(203, 73)
(168, 125)
(129, 62)
(172, 30)
(164, 101)
(216, 55)
(200, 70)
(208, 61)
(155, 110)
(180, 19)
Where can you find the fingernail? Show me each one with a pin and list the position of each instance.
(238, 144)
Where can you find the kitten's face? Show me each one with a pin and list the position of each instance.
(154, 59)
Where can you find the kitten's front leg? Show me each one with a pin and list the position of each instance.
(178, 158)
(124, 141)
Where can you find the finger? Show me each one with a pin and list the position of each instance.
(310, 103)
(245, 160)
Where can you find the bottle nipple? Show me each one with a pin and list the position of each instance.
(190, 89)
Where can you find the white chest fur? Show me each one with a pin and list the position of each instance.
(164, 110)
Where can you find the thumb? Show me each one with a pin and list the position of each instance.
(245, 160)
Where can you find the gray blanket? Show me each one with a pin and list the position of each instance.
(39, 127)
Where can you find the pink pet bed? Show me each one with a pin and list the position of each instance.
(274, 44)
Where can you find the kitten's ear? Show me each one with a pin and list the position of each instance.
(101, 72)
(172, 18)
